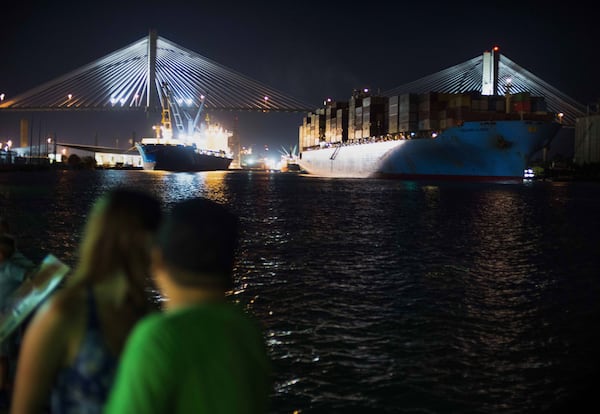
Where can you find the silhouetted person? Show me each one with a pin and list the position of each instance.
(11, 277)
(71, 346)
(203, 354)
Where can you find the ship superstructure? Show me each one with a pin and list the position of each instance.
(197, 146)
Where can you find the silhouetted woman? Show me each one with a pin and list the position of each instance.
(71, 347)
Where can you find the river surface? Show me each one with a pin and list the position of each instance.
(385, 296)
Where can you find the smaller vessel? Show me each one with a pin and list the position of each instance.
(199, 147)
(289, 161)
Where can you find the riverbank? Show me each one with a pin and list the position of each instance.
(61, 166)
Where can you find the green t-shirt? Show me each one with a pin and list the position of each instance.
(208, 358)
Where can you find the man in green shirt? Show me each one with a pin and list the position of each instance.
(202, 354)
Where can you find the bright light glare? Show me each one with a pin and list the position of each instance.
(271, 164)
(528, 173)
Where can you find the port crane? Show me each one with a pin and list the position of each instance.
(171, 111)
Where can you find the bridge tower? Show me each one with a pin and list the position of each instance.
(489, 81)
(151, 92)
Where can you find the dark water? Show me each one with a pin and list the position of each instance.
(386, 296)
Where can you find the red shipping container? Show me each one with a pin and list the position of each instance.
(523, 106)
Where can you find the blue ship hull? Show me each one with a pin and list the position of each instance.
(495, 150)
(168, 157)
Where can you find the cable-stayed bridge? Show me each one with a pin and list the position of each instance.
(511, 78)
(131, 78)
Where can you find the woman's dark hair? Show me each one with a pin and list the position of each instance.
(117, 238)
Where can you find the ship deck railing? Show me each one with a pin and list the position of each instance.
(359, 141)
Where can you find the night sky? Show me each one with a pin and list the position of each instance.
(307, 49)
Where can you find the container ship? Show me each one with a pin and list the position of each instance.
(464, 136)
(197, 147)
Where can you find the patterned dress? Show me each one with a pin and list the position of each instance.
(82, 388)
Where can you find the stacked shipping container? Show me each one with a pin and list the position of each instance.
(407, 115)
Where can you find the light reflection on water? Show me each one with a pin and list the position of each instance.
(377, 294)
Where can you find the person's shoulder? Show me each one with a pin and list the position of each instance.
(235, 310)
(229, 314)
(153, 328)
(172, 322)
(57, 318)
(244, 320)
(153, 321)
(66, 303)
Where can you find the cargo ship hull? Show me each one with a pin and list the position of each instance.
(169, 157)
(496, 150)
